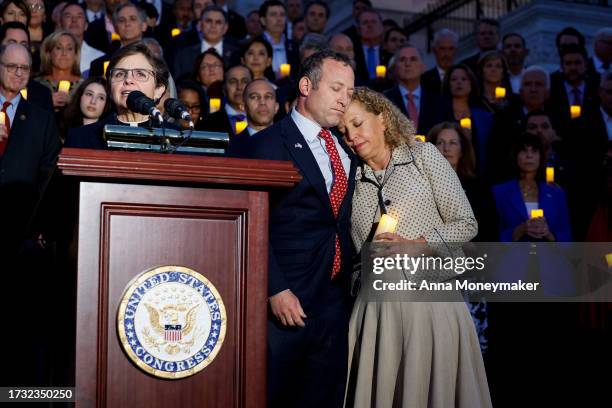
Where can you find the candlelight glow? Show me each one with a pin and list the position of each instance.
(285, 70)
(214, 105)
(386, 224)
(381, 71)
(575, 111)
(537, 213)
(241, 125)
(64, 86)
(550, 174)
(466, 123)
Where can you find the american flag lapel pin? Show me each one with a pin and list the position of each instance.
(298, 146)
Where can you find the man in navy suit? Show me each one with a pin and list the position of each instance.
(213, 25)
(310, 246)
(425, 108)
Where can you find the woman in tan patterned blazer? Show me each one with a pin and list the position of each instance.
(407, 353)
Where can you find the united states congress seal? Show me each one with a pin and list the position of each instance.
(171, 322)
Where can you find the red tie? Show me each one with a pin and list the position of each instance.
(7, 123)
(338, 189)
(412, 110)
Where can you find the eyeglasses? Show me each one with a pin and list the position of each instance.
(37, 7)
(211, 66)
(193, 107)
(139, 74)
(12, 68)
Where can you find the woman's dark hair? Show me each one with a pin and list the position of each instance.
(190, 84)
(268, 72)
(160, 68)
(20, 4)
(72, 116)
(198, 61)
(466, 167)
(474, 97)
(524, 141)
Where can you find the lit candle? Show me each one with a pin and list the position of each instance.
(106, 66)
(175, 32)
(381, 71)
(115, 37)
(537, 213)
(241, 125)
(386, 224)
(64, 86)
(575, 111)
(2, 118)
(285, 70)
(466, 123)
(214, 105)
(609, 259)
(420, 138)
(24, 93)
(550, 174)
(500, 92)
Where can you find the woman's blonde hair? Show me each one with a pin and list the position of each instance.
(398, 128)
(46, 66)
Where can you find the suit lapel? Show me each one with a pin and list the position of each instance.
(21, 116)
(302, 156)
(517, 200)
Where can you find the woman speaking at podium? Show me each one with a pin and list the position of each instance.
(132, 68)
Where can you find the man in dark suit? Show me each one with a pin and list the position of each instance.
(486, 32)
(213, 25)
(225, 119)
(310, 248)
(369, 52)
(572, 86)
(17, 33)
(358, 7)
(273, 18)
(131, 23)
(425, 109)
(444, 48)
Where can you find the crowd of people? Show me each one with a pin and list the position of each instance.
(516, 138)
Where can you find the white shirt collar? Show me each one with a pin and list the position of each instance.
(268, 37)
(231, 111)
(251, 131)
(218, 47)
(569, 90)
(441, 72)
(309, 129)
(415, 94)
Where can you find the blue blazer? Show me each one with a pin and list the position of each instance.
(512, 212)
(302, 226)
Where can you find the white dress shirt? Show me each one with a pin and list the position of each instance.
(218, 47)
(515, 81)
(11, 110)
(279, 53)
(88, 54)
(310, 130)
(94, 15)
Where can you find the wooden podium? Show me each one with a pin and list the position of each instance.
(141, 210)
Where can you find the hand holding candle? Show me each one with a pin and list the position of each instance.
(64, 86)
(285, 70)
(575, 111)
(214, 105)
(500, 92)
(241, 125)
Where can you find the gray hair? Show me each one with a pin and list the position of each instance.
(444, 33)
(393, 60)
(536, 68)
(603, 33)
(141, 13)
(314, 41)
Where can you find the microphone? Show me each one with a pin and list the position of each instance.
(140, 103)
(177, 110)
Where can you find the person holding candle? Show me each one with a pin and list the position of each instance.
(273, 17)
(494, 81)
(231, 118)
(88, 104)
(392, 344)
(462, 86)
(424, 108)
(132, 68)
(59, 68)
(515, 199)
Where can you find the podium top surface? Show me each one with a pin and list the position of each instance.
(146, 166)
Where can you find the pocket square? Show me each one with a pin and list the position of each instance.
(298, 146)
